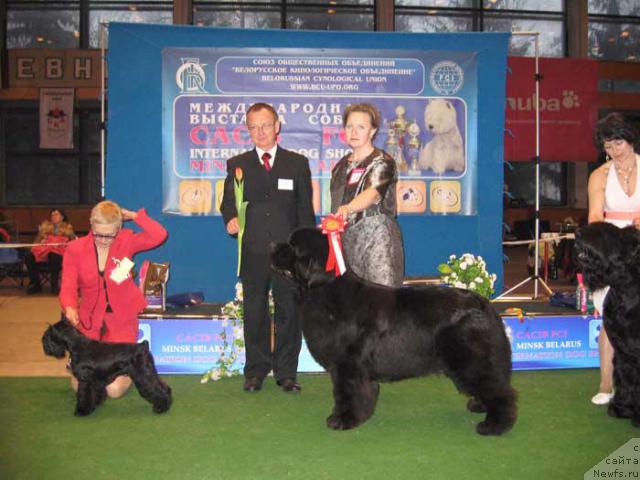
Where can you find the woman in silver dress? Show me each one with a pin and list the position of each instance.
(363, 191)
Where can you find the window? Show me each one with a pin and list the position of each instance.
(265, 14)
(543, 16)
(519, 182)
(351, 15)
(58, 23)
(140, 11)
(614, 29)
(291, 14)
(43, 24)
(54, 177)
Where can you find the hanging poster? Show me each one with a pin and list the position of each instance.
(56, 118)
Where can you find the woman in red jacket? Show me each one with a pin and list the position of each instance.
(98, 294)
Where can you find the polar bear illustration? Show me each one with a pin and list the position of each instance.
(445, 150)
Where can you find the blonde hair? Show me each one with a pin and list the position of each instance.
(106, 213)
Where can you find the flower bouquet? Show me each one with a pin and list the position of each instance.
(468, 272)
(232, 346)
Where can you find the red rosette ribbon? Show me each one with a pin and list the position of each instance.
(333, 226)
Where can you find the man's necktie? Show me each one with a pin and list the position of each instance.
(266, 156)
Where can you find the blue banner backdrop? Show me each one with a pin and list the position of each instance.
(402, 71)
(424, 128)
(537, 343)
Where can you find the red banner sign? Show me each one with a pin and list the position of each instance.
(568, 109)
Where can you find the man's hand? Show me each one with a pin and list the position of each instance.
(232, 226)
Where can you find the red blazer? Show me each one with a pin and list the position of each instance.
(80, 276)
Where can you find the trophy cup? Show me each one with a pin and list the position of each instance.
(399, 127)
(413, 149)
(391, 145)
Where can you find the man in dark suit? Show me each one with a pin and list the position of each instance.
(277, 185)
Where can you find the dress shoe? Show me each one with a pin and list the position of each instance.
(290, 385)
(34, 288)
(252, 384)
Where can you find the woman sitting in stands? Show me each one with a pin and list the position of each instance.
(98, 294)
(53, 235)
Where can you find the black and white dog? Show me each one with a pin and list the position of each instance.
(97, 364)
(363, 333)
(610, 256)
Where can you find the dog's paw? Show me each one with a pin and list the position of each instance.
(490, 427)
(83, 411)
(617, 410)
(163, 406)
(341, 422)
(159, 409)
(475, 405)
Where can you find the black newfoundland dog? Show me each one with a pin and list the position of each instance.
(363, 333)
(608, 255)
(97, 364)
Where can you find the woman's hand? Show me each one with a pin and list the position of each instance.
(72, 315)
(344, 211)
(128, 214)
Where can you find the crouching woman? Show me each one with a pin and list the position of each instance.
(98, 294)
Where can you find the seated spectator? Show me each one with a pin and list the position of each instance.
(51, 233)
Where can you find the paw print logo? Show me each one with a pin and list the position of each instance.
(595, 326)
(570, 99)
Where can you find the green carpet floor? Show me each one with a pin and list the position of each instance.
(421, 430)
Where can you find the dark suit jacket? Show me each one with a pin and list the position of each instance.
(279, 201)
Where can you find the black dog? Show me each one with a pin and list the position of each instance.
(608, 255)
(363, 333)
(97, 364)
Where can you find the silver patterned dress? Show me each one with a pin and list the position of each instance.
(372, 241)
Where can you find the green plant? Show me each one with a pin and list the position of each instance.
(468, 272)
(231, 346)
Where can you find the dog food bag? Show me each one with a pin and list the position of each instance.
(153, 283)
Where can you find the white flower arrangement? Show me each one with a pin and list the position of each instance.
(468, 272)
(231, 349)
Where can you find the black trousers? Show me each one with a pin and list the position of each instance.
(257, 277)
(55, 265)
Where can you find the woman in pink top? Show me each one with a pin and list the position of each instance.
(614, 197)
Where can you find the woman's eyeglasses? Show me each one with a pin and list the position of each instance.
(100, 236)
